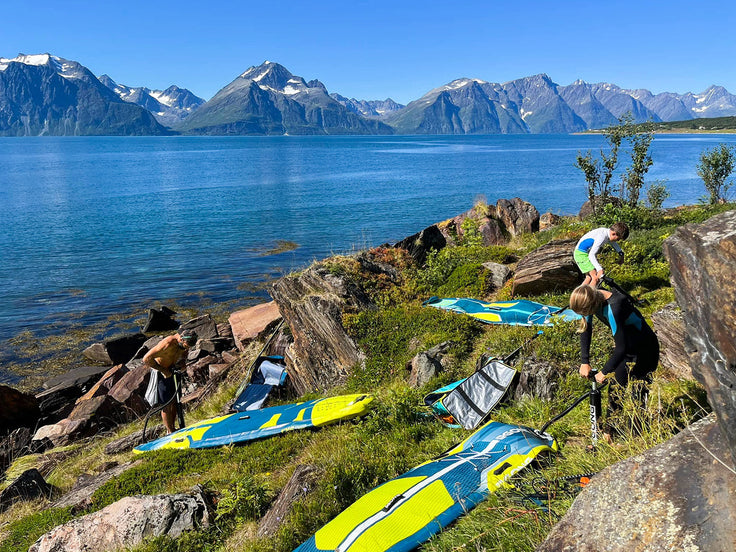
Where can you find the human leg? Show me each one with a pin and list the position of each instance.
(168, 415)
(166, 391)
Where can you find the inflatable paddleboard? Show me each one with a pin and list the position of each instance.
(516, 313)
(403, 513)
(257, 424)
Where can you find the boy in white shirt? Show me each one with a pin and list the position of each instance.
(590, 244)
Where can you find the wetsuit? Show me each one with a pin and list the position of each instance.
(634, 340)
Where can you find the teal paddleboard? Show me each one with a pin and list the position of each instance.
(258, 424)
(404, 512)
(516, 313)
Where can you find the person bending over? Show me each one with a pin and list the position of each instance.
(588, 246)
(634, 340)
(164, 357)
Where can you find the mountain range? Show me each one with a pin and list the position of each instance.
(48, 95)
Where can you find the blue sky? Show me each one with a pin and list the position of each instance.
(378, 49)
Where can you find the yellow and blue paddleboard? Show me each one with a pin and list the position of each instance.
(516, 313)
(403, 513)
(258, 424)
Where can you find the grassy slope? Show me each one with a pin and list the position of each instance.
(398, 435)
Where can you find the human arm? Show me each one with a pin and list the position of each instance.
(585, 338)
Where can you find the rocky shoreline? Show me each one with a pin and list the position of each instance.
(93, 400)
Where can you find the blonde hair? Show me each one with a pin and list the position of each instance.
(585, 300)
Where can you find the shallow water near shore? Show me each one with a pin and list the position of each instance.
(97, 230)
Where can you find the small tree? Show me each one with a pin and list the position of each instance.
(715, 167)
(633, 179)
(599, 174)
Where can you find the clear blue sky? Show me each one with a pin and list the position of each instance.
(377, 49)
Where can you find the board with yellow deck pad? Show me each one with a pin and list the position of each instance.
(258, 424)
(521, 312)
(403, 513)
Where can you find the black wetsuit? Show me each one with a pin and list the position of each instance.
(634, 340)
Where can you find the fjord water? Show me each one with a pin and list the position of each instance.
(92, 227)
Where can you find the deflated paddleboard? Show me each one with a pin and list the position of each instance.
(405, 512)
(515, 313)
(257, 424)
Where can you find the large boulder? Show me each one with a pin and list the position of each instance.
(88, 418)
(680, 495)
(127, 522)
(105, 383)
(420, 244)
(115, 351)
(130, 389)
(427, 364)
(312, 304)
(518, 216)
(160, 320)
(702, 266)
(60, 392)
(548, 268)
(18, 409)
(670, 330)
(490, 229)
(252, 323)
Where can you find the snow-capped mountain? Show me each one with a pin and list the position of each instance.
(45, 94)
(368, 108)
(170, 106)
(268, 99)
(49, 95)
(536, 104)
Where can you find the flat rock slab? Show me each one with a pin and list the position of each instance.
(249, 324)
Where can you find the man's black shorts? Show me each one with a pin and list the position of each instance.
(166, 389)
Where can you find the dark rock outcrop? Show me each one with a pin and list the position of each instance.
(28, 486)
(702, 261)
(60, 393)
(680, 495)
(549, 268)
(312, 304)
(160, 320)
(18, 409)
(115, 351)
(420, 244)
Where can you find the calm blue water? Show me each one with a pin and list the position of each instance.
(116, 225)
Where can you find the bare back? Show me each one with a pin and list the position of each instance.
(165, 355)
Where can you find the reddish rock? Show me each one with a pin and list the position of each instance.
(106, 382)
(251, 323)
(129, 391)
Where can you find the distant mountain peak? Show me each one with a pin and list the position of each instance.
(66, 68)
